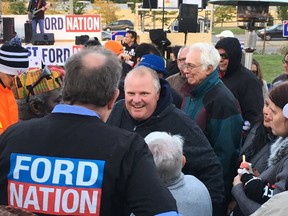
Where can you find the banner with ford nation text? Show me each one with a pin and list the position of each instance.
(55, 186)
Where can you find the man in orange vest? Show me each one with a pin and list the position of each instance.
(13, 61)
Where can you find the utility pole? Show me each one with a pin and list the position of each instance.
(70, 7)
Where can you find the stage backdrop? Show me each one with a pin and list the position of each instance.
(64, 27)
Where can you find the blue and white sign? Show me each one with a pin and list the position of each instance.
(285, 28)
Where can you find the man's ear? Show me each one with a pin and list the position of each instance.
(36, 107)
(209, 69)
(137, 61)
(183, 161)
(112, 101)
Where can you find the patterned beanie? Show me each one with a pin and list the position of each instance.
(36, 82)
(13, 57)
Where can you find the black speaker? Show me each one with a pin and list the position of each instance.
(43, 39)
(150, 4)
(81, 40)
(28, 32)
(202, 4)
(188, 14)
(159, 37)
(8, 28)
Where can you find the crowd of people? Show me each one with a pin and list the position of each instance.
(118, 131)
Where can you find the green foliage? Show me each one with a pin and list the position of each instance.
(284, 49)
(125, 1)
(108, 11)
(282, 12)
(224, 14)
(168, 16)
(18, 7)
(77, 8)
(235, 30)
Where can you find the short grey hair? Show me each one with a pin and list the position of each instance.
(167, 151)
(180, 50)
(94, 83)
(141, 71)
(209, 54)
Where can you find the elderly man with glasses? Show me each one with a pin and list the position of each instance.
(176, 81)
(214, 108)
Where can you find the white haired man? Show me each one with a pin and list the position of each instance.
(168, 155)
(214, 108)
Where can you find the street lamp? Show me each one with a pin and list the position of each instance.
(251, 15)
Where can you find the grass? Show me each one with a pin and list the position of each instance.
(271, 65)
(235, 30)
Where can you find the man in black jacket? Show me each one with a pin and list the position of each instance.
(244, 84)
(148, 107)
(71, 163)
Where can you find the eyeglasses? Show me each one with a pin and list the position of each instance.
(182, 60)
(224, 56)
(284, 61)
(189, 66)
(254, 71)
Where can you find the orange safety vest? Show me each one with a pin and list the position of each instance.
(8, 108)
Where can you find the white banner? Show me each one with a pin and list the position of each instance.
(50, 55)
(64, 27)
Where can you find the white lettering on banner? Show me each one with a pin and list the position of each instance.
(94, 173)
(60, 200)
(83, 23)
(51, 55)
(54, 23)
(54, 185)
(49, 171)
(59, 170)
(35, 166)
(18, 166)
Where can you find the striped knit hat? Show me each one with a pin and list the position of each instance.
(13, 57)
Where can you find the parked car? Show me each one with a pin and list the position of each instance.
(275, 31)
(119, 25)
(105, 36)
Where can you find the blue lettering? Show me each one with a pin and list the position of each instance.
(44, 53)
(55, 55)
(32, 51)
(52, 23)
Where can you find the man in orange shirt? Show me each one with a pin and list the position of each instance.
(13, 61)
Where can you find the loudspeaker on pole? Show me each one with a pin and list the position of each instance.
(188, 14)
(8, 28)
(150, 4)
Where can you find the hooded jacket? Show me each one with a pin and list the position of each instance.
(244, 84)
(201, 159)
